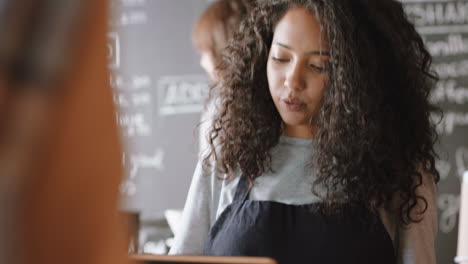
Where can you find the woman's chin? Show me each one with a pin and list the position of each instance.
(292, 120)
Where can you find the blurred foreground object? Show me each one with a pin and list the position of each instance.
(462, 251)
(60, 153)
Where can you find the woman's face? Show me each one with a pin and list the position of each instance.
(296, 70)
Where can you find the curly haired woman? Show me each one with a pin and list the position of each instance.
(323, 148)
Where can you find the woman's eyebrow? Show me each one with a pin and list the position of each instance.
(314, 52)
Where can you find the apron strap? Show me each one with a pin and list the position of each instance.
(242, 190)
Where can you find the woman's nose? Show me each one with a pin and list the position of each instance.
(294, 78)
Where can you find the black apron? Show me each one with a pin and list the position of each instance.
(298, 233)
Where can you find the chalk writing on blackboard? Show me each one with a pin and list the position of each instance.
(133, 17)
(449, 91)
(139, 161)
(132, 100)
(452, 69)
(450, 122)
(181, 94)
(121, 100)
(433, 12)
(444, 167)
(461, 159)
(140, 81)
(451, 44)
(128, 187)
(133, 82)
(116, 81)
(141, 98)
(449, 206)
(113, 50)
(134, 124)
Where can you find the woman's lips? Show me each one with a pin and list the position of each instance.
(293, 104)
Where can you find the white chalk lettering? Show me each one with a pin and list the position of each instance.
(144, 161)
(461, 159)
(181, 94)
(134, 124)
(447, 90)
(141, 99)
(450, 122)
(453, 44)
(449, 205)
(121, 100)
(441, 13)
(116, 81)
(451, 69)
(128, 187)
(113, 50)
(135, 82)
(444, 168)
(141, 81)
(134, 17)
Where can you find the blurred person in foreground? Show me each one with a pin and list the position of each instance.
(60, 154)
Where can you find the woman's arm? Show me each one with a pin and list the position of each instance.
(195, 224)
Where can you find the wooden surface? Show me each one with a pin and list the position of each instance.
(201, 259)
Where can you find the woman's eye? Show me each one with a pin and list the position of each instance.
(280, 59)
(317, 68)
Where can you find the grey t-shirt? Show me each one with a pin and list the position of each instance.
(290, 182)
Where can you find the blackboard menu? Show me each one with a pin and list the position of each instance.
(444, 26)
(160, 87)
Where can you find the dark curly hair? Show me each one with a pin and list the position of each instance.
(375, 137)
